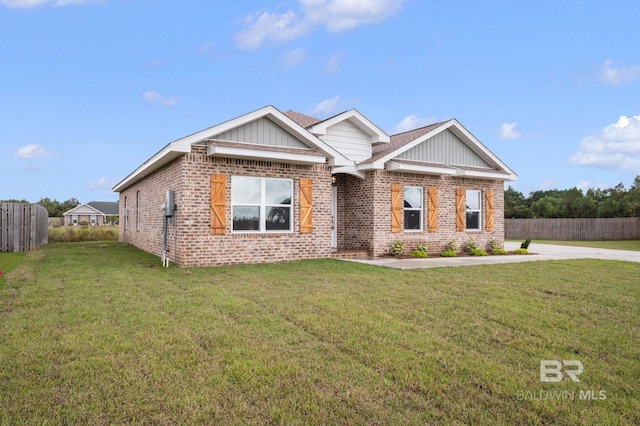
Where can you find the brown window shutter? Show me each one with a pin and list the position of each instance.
(489, 200)
(461, 210)
(306, 203)
(432, 209)
(396, 207)
(218, 204)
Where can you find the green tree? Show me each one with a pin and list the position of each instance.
(56, 208)
(516, 205)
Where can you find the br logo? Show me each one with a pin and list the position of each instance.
(552, 370)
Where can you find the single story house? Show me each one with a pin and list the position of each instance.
(273, 186)
(93, 213)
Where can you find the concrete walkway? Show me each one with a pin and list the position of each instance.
(538, 252)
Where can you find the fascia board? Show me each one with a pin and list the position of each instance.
(164, 156)
(478, 174)
(415, 168)
(479, 148)
(377, 134)
(261, 155)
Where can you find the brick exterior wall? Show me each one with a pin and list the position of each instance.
(363, 205)
(189, 177)
(364, 218)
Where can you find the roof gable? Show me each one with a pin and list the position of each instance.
(376, 135)
(82, 209)
(325, 153)
(446, 148)
(261, 131)
(447, 144)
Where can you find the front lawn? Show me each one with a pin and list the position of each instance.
(99, 333)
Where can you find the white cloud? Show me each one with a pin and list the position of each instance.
(333, 15)
(156, 98)
(333, 66)
(26, 4)
(508, 131)
(98, 184)
(271, 26)
(411, 122)
(547, 184)
(326, 107)
(341, 15)
(292, 58)
(32, 150)
(617, 147)
(614, 76)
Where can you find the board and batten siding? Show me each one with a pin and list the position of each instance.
(262, 132)
(349, 140)
(446, 148)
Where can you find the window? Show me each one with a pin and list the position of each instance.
(261, 204)
(473, 206)
(137, 209)
(412, 208)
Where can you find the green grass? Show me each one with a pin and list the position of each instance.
(8, 262)
(99, 333)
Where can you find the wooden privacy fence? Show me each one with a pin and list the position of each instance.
(624, 228)
(23, 227)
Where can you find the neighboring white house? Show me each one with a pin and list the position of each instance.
(93, 213)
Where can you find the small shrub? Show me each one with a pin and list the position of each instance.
(477, 252)
(448, 253)
(469, 246)
(418, 253)
(420, 250)
(521, 251)
(499, 251)
(493, 245)
(397, 248)
(452, 246)
(525, 244)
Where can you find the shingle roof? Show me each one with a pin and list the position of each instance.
(399, 140)
(106, 207)
(301, 119)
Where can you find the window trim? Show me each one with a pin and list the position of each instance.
(263, 206)
(406, 209)
(468, 210)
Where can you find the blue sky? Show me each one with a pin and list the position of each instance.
(91, 89)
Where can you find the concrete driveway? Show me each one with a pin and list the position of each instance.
(538, 252)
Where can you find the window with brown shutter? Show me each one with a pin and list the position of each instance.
(306, 215)
(460, 210)
(489, 210)
(432, 209)
(218, 204)
(396, 208)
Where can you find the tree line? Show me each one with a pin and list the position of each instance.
(54, 207)
(573, 203)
